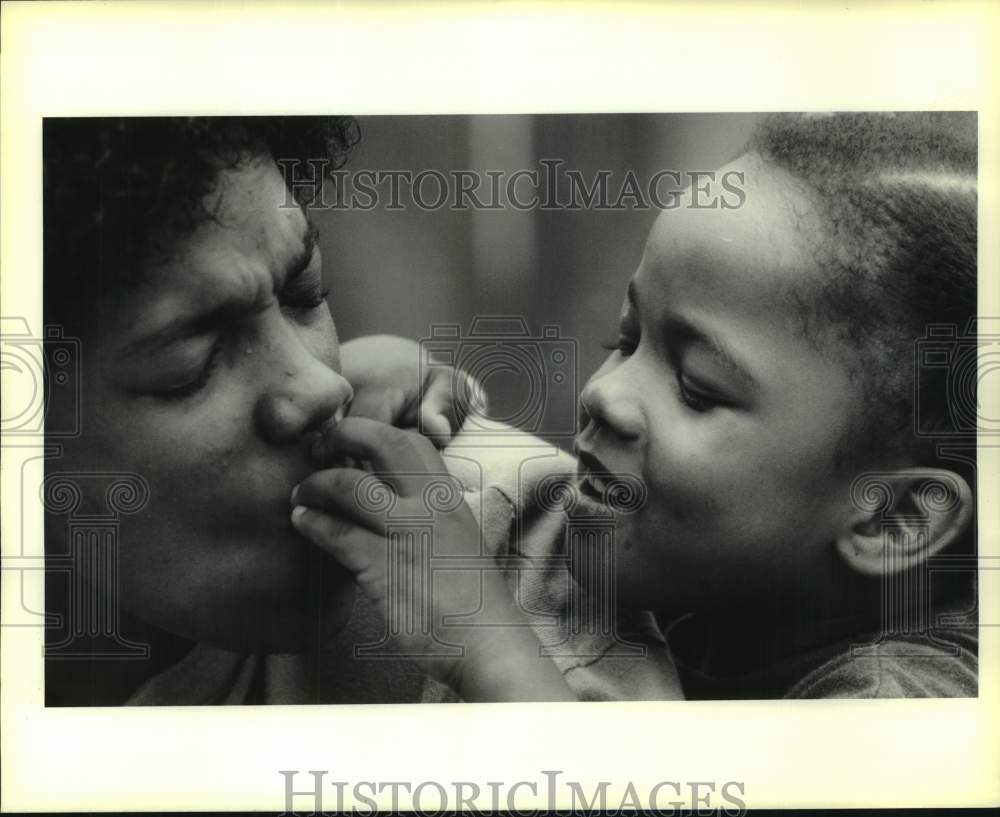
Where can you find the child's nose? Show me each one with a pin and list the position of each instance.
(607, 402)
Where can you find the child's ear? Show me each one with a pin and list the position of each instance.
(903, 518)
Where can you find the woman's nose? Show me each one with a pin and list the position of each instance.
(302, 393)
(610, 403)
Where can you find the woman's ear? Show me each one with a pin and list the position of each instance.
(903, 518)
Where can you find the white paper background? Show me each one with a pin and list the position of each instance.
(213, 58)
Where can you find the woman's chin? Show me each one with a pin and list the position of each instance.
(290, 629)
(283, 607)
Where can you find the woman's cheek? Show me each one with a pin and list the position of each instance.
(320, 336)
(192, 444)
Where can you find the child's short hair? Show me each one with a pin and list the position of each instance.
(897, 192)
(119, 192)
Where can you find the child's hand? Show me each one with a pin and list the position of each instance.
(349, 513)
(385, 373)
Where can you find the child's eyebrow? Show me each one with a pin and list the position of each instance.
(678, 328)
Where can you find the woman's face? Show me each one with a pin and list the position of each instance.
(718, 403)
(208, 383)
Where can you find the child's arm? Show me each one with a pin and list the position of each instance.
(390, 386)
(346, 512)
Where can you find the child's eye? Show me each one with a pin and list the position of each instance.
(626, 346)
(696, 399)
(196, 385)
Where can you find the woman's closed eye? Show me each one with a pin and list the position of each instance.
(301, 295)
(305, 291)
(196, 384)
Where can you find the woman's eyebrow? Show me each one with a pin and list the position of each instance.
(186, 327)
(190, 325)
(300, 263)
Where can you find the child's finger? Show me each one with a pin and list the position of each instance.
(360, 496)
(437, 407)
(436, 425)
(386, 405)
(354, 547)
(397, 455)
(449, 397)
(473, 400)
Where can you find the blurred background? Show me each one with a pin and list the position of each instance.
(401, 271)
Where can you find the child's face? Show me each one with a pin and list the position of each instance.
(207, 383)
(730, 417)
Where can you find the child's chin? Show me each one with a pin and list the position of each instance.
(597, 558)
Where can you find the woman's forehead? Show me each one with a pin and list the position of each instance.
(242, 254)
(251, 207)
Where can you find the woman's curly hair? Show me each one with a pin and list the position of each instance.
(120, 192)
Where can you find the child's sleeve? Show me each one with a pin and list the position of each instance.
(946, 667)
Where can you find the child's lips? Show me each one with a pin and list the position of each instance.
(593, 476)
(592, 485)
(617, 491)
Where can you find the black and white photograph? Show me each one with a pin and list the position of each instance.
(415, 407)
(511, 408)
